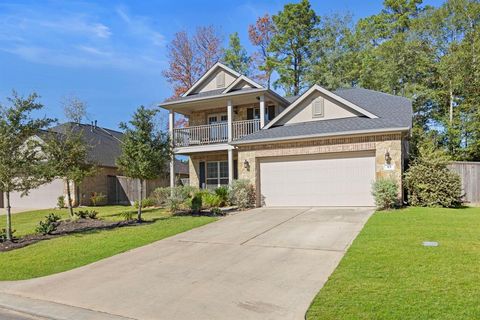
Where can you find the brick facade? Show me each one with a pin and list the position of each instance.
(379, 144)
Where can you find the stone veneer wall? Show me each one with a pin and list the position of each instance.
(378, 143)
(194, 164)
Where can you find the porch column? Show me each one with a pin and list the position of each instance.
(262, 111)
(230, 120)
(230, 166)
(171, 121)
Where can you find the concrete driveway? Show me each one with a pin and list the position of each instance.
(266, 263)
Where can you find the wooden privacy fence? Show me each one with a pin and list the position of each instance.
(123, 190)
(470, 174)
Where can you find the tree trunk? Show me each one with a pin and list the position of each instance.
(451, 104)
(9, 217)
(140, 192)
(69, 199)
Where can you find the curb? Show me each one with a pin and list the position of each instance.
(51, 310)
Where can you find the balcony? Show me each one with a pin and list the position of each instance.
(213, 133)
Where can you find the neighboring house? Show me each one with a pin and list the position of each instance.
(104, 148)
(321, 148)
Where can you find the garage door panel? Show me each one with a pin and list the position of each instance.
(43, 197)
(314, 180)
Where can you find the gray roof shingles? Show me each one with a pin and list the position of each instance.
(105, 145)
(392, 112)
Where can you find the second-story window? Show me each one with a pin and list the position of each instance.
(254, 113)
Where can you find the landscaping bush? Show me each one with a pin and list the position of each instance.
(217, 212)
(196, 203)
(127, 215)
(223, 193)
(430, 183)
(98, 199)
(242, 194)
(211, 200)
(160, 195)
(147, 202)
(61, 202)
(385, 192)
(3, 235)
(91, 214)
(48, 225)
(175, 199)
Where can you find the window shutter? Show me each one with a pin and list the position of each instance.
(250, 114)
(201, 179)
(235, 169)
(271, 112)
(317, 106)
(221, 80)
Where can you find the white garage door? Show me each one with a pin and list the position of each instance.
(314, 180)
(44, 197)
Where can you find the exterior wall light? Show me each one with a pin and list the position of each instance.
(388, 158)
(246, 164)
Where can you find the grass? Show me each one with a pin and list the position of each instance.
(388, 274)
(65, 253)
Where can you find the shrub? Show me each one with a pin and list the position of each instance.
(127, 215)
(98, 199)
(217, 212)
(48, 225)
(91, 214)
(385, 192)
(242, 194)
(211, 200)
(61, 202)
(147, 202)
(223, 193)
(196, 203)
(430, 183)
(3, 234)
(160, 195)
(176, 198)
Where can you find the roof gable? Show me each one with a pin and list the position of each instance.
(324, 91)
(242, 82)
(213, 70)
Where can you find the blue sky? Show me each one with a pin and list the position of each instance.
(111, 54)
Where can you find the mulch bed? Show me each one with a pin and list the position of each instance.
(66, 227)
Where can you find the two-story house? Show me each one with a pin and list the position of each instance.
(321, 148)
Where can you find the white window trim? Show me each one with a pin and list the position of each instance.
(219, 178)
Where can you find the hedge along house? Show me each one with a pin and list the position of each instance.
(104, 146)
(322, 148)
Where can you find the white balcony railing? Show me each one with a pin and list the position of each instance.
(243, 128)
(213, 133)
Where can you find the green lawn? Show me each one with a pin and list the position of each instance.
(388, 274)
(65, 253)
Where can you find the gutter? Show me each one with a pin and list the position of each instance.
(233, 93)
(322, 135)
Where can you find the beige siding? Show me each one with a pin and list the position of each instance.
(210, 83)
(304, 112)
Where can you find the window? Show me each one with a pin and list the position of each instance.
(254, 113)
(220, 80)
(317, 107)
(217, 174)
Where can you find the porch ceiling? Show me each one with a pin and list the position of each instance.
(187, 107)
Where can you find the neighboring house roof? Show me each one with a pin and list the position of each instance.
(393, 114)
(104, 144)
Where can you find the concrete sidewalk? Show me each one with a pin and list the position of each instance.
(260, 264)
